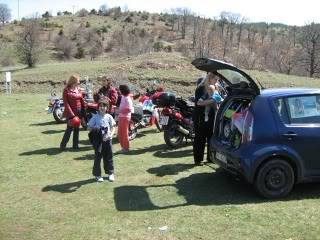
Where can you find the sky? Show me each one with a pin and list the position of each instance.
(291, 12)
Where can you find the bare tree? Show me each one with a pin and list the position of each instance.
(103, 10)
(5, 13)
(64, 47)
(239, 35)
(283, 55)
(28, 43)
(252, 34)
(227, 23)
(82, 13)
(195, 30)
(311, 48)
(185, 13)
(263, 30)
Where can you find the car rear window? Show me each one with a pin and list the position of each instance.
(299, 109)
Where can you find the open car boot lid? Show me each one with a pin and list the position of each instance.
(231, 75)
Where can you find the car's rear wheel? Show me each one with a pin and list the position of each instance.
(275, 179)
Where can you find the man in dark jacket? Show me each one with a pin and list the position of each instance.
(111, 93)
(203, 127)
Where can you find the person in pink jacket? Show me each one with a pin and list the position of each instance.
(125, 109)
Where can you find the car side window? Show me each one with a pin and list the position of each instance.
(304, 109)
(281, 109)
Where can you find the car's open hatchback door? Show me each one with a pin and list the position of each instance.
(231, 75)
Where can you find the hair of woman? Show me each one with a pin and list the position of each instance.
(73, 79)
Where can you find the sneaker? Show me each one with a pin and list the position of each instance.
(124, 150)
(99, 179)
(111, 177)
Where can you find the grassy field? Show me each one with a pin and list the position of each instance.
(48, 194)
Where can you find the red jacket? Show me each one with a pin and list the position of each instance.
(72, 100)
(112, 95)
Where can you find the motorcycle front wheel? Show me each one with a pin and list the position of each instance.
(132, 131)
(57, 115)
(172, 137)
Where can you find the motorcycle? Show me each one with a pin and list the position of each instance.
(151, 112)
(56, 107)
(176, 119)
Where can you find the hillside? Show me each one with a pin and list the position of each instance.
(139, 47)
(173, 71)
(96, 36)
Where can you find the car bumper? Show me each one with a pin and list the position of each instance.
(233, 161)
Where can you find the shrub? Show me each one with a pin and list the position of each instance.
(158, 46)
(104, 29)
(7, 61)
(145, 16)
(82, 13)
(128, 19)
(80, 53)
(167, 48)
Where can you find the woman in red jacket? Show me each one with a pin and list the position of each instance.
(73, 106)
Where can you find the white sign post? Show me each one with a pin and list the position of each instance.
(8, 83)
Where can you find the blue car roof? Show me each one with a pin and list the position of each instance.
(282, 92)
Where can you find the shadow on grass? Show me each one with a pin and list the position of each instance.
(53, 151)
(172, 153)
(52, 131)
(170, 169)
(202, 189)
(85, 157)
(144, 150)
(44, 123)
(67, 187)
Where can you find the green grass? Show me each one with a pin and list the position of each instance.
(47, 194)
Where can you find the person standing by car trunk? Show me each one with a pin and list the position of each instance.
(203, 120)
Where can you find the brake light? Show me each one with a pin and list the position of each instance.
(178, 116)
(166, 111)
(247, 128)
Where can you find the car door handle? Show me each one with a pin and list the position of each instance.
(290, 134)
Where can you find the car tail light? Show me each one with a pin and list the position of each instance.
(166, 111)
(178, 116)
(247, 128)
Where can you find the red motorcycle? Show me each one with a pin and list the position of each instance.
(150, 111)
(176, 119)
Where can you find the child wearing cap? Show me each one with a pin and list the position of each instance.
(101, 130)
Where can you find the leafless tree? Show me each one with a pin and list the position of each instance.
(5, 13)
(263, 31)
(184, 23)
(252, 34)
(82, 12)
(311, 48)
(64, 47)
(103, 10)
(28, 43)
(239, 34)
(283, 55)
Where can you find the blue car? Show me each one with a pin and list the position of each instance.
(268, 136)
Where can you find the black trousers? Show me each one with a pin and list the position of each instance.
(106, 153)
(203, 133)
(67, 135)
(68, 132)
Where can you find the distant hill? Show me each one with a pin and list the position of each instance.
(96, 36)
